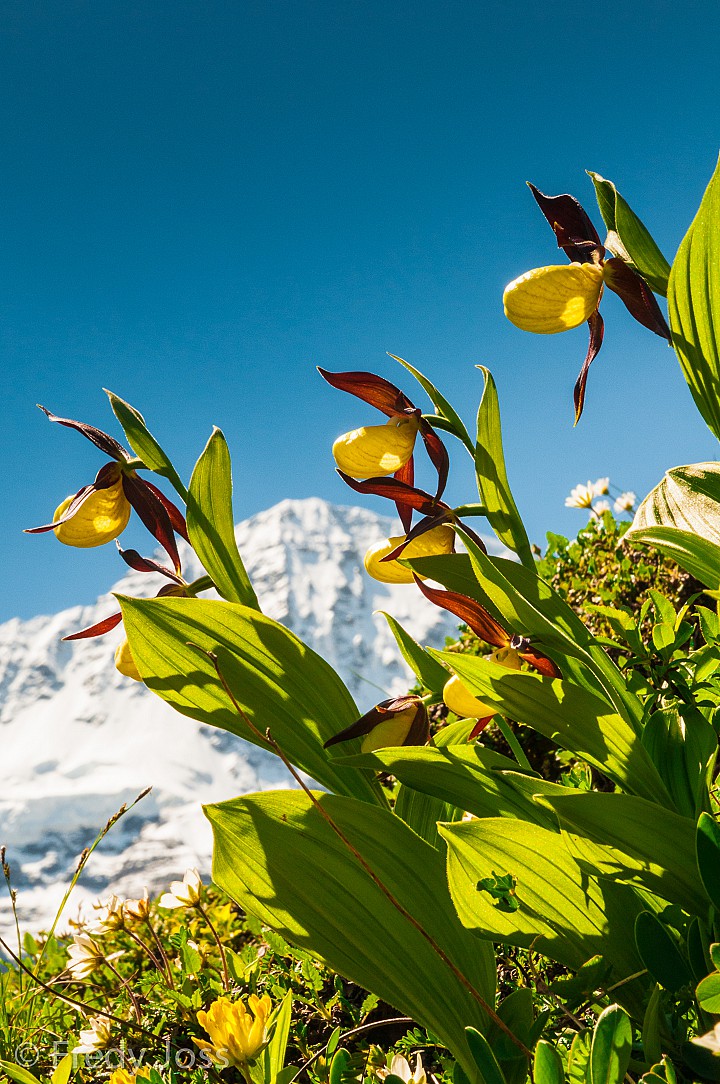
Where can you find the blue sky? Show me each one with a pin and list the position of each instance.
(202, 201)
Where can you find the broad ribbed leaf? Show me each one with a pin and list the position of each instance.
(211, 524)
(628, 238)
(492, 480)
(562, 913)
(278, 858)
(696, 555)
(477, 780)
(694, 305)
(634, 842)
(570, 716)
(143, 443)
(428, 671)
(659, 952)
(277, 680)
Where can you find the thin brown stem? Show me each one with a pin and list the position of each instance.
(440, 952)
(126, 984)
(166, 966)
(218, 942)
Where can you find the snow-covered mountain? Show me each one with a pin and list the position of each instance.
(77, 739)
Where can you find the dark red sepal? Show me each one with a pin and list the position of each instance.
(146, 564)
(540, 662)
(418, 733)
(397, 491)
(103, 441)
(636, 296)
(153, 514)
(107, 476)
(480, 726)
(597, 330)
(406, 475)
(372, 389)
(470, 611)
(176, 517)
(437, 452)
(98, 629)
(575, 233)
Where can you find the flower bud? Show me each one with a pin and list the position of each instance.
(125, 663)
(376, 450)
(439, 540)
(100, 518)
(460, 700)
(551, 299)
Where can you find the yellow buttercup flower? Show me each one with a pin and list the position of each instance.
(374, 451)
(102, 517)
(236, 1035)
(438, 540)
(122, 1076)
(125, 663)
(547, 300)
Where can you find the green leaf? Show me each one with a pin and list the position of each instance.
(278, 858)
(707, 846)
(653, 1022)
(694, 305)
(492, 480)
(471, 778)
(696, 944)
(517, 1012)
(708, 993)
(211, 524)
(455, 424)
(633, 841)
(579, 1058)
(490, 1071)
(548, 1066)
(696, 555)
(681, 752)
(143, 443)
(340, 1066)
(15, 1072)
(659, 952)
(628, 238)
(561, 912)
(429, 673)
(575, 719)
(276, 679)
(63, 1070)
(611, 1046)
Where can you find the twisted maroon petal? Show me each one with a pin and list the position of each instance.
(406, 475)
(103, 441)
(470, 611)
(597, 330)
(636, 296)
(575, 233)
(98, 629)
(146, 564)
(397, 491)
(437, 453)
(176, 517)
(372, 389)
(153, 514)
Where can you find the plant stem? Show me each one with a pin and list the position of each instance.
(517, 749)
(218, 942)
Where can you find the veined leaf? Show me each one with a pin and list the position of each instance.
(570, 716)
(278, 858)
(633, 841)
(455, 425)
(211, 524)
(696, 555)
(561, 912)
(611, 1047)
(427, 670)
(276, 679)
(694, 305)
(659, 952)
(492, 480)
(477, 780)
(628, 238)
(143, 443)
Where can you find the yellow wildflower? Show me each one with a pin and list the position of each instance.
(438, 540)
(101, 517)
(122, 1076)
(547, 300)
(373, 451)
(236, 1035)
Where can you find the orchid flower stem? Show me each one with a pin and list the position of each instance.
(517, 749)
(218, 942)
(377, 881)
(163, 955)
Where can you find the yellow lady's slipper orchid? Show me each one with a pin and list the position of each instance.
(125, 663)
(506, 656)
(102, 517)
(460, 700)
(439, 540)
(376, 450)
(236, 1035)
(390, 732)
(547, 300)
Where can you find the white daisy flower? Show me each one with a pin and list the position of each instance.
(581, 496)
(185, 893)
(625, 502)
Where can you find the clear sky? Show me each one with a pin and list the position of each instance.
(202, 201)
